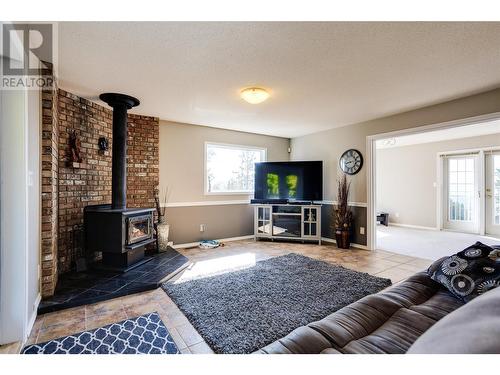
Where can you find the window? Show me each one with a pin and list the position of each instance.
(461, 188)
(230, 169)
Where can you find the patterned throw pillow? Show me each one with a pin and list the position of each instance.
(470, 272)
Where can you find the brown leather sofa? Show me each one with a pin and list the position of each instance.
(386, 322)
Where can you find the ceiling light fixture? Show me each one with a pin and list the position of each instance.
(254, 95)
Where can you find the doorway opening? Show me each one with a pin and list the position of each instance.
(435, 190)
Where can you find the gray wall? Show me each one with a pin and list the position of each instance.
(221, 221)
(359, 220)
(406, 176)
(182, 149)
(329, 145)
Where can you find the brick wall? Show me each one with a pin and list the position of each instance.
(142, 160)
(90, 182)
(49, 191)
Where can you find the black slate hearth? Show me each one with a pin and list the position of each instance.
(81, 288)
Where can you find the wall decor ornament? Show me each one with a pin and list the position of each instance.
(103, 144)
(351, 161)
(74, 147)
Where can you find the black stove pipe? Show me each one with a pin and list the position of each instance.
(120, 104)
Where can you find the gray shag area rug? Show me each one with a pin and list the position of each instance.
(242, 311)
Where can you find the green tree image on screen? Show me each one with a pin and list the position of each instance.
(272, 185)
(291, 183)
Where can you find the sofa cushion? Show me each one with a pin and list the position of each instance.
(386, 322)
(468, 273)
(473, 328)
(303, 340)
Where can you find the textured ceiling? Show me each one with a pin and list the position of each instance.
(320, 75)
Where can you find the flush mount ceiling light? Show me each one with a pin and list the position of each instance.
(254, 95)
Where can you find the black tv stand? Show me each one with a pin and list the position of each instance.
(269, 201)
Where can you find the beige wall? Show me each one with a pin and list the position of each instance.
(406, 176)
(222, 221)
(182, 149)
(329, 145)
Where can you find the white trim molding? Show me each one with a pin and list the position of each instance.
(246, 201)
(412, 226)
(207, 203)
(195, 244)
(352, 204)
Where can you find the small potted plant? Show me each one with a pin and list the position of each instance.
(162, 228)
(342, 214)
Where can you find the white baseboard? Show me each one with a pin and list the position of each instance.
(412, 226)
(356, 245)
(195, 244)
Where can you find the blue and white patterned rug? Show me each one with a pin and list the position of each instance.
(145, 334)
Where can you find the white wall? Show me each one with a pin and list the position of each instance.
(34, 204)
(13, 217)
(19, 212)
(406, 176)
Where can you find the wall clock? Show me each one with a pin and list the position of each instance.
(351, 161)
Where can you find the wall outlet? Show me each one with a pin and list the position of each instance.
(202, 227)
(396, 214)
(361, 230)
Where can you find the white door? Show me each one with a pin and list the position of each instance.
(461, 193)
(492, 224)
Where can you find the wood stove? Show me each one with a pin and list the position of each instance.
(120, 233)
(139, 228)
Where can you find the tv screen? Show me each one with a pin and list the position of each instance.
(294, 180)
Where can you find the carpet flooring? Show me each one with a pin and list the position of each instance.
(242, 311)
(427, 244)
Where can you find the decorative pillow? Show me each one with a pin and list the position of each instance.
(469, 273)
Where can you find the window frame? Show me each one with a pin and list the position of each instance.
(232, 146)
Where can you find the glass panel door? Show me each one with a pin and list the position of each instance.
(493, 194)
(461, 193)
(310, 217)
(264, 220)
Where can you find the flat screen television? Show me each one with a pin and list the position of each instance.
(291, 180)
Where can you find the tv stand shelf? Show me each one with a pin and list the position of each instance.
(290, 221)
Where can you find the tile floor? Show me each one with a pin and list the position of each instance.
(232, 256)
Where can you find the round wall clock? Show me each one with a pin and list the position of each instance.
(351, 161)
